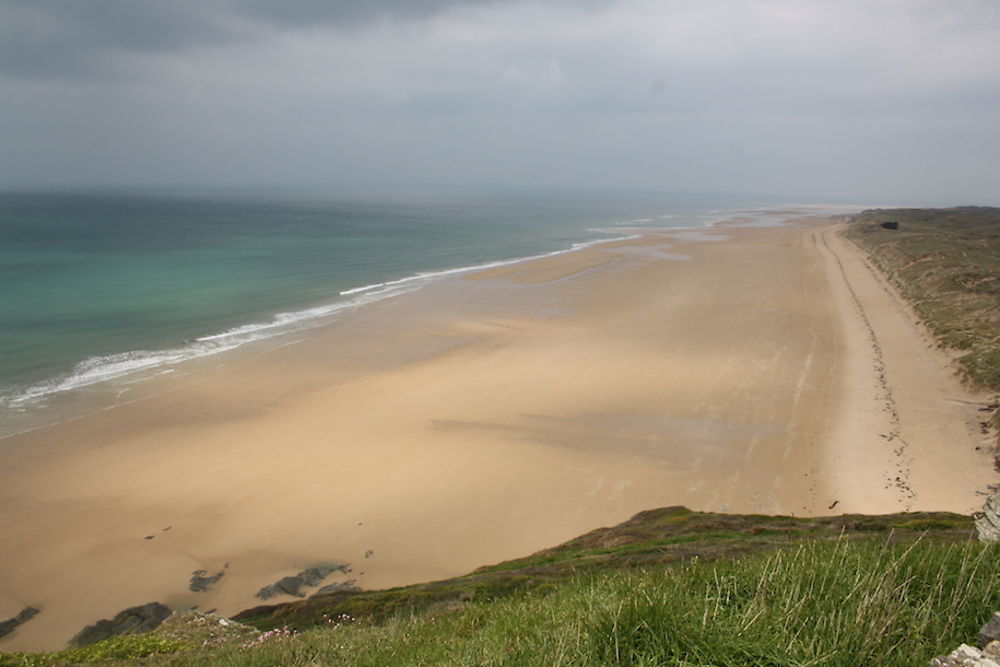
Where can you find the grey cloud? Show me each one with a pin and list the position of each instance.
(766, 95)
(67, 39)
(344, 12)
(59, 39)
(300, 13)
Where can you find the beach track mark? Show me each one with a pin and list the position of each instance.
(893, 436)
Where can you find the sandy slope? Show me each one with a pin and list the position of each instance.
(910, 436)
(764, 370)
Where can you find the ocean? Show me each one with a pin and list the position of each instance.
(100, 290)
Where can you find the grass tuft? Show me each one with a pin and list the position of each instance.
(117, 649)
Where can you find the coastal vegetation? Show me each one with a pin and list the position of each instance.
(946, 263)
(669, 586)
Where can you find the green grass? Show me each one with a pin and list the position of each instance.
(842, 602)
(667, 586)
(116, 649)
(654, 537)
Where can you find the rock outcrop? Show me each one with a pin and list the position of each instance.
(132, 621)
(349, 586)
(989, 632)
(11, 624)
(201, 581)
(293, 585)
(986, 655)
(969, 656)
(988, 521)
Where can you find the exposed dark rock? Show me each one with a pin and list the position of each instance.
(989, 632)
(314, 575)
(26, 614)
(349, 585)
(293, 585)
(11, 624)
(200, 581)
(132, 621)
(283, 586)
(892, 224)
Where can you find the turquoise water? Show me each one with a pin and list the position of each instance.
(96, 287)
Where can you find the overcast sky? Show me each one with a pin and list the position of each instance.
(857, 99)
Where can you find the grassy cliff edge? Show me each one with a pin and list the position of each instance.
(669, 586)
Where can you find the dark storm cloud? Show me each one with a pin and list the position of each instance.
(69, 39)
(60, 39)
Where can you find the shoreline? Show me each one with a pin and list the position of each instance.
(100, 385)
(501, 413)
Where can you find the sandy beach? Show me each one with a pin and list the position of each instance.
(765, 370)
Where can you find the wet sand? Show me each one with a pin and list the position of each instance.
(483, 418)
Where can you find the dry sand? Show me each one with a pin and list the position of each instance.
(737, 370)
